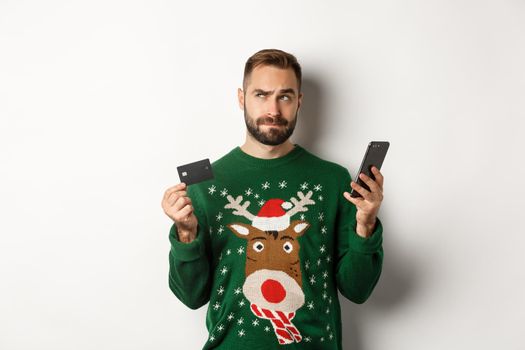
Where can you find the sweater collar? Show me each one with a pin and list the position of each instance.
(239, 154)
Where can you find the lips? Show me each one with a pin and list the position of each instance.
(272, 121)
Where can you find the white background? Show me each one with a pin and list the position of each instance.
(101, 100)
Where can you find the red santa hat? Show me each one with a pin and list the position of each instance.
(272, 216)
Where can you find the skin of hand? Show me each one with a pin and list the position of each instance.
(177, 205)
(368, 205)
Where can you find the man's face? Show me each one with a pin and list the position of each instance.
(270, 103)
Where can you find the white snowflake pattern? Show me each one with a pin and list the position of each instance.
(220, 230)
(266, 329)
(256, 196)
(330, 336)
(327, 327)
(216, 306)
(322, 249)
(320, 198)
(220, 327)
(220, 291)
(310, 305)
(261, 203)
(325, 295)
(265, 185)
(242, 302)
(224, 270)
(241, 333)
(228, 251)
(307, 264)
(325, 285)
(237, 291)
(304, 186)
(312, 279)
(282, 184)
(240, 321)
(328, 259)
(307, 339)
(324, 230)
(325, 274)
(248, 192)
(240, 250)
(327, 310)
(319, 262)
(224, 192)
(255, 322)
(322, 339)
(318, 187)
(211, 189)
(230, 316)
(330, 300)
(321, 216)
(219, 216)
(212, 338)
(220, 256)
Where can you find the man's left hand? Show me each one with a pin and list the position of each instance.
(367, 205)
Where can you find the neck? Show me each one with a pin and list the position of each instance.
(260, 150)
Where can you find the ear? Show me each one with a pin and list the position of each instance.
(241, 230)
(240, 97)
(299, 101)
(299, 227)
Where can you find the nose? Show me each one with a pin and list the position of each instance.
(273, 291)
(273, 108)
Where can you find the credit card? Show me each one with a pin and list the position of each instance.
(195, 172)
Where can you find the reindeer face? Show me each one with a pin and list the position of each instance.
(273, 272)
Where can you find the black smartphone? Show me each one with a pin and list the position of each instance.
(374, 156)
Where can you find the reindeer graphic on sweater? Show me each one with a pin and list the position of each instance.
(273, 283)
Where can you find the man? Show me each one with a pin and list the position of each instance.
(270, 240)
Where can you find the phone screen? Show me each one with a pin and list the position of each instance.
(374, 156)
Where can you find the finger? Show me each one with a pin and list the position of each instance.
(181, 203)
(175, 195)
(355, 201)
(172, 198)
(175, 188)
(361, 190)
(374, 187)
(184, 214)
(379, 177)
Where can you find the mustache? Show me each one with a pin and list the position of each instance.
(273, 121)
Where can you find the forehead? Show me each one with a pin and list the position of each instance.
(271, 78)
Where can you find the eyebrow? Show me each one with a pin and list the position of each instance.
(259, 237)
(282, 91)
(285, 237)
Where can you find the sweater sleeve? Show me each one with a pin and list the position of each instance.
(189, 271)
(359, 259)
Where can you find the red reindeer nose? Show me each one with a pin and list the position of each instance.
(273, 291)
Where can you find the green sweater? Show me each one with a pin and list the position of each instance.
(276, 239)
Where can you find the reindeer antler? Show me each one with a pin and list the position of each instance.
(300, 205)
(239, 209)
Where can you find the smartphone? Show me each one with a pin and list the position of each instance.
(374, 156)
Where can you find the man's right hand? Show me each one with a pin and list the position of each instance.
(177, 205)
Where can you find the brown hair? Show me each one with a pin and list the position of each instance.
(272, 57)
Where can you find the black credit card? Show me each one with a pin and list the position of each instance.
(195, 172)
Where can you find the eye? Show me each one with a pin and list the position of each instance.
(258, 246)
(288, 247)
(285, 97)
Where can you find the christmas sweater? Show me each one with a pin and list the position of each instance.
(275, 242)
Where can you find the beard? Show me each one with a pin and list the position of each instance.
(275, 135)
